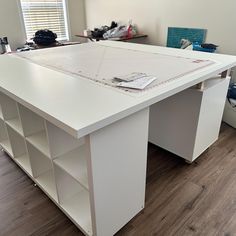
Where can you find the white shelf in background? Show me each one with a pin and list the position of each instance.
(7, 146)
(16, 125)
(24, 162)
(75, 164)
(39, 141)
(46, 181)
(78, 208)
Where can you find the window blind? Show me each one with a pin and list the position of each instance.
(45, 14)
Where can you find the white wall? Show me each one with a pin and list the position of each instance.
(154, 16)
(76, 15)
(11, 25)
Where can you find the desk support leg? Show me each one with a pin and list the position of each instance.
(117, 172)
(189, 122)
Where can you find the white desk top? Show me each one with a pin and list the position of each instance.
(81, 106)
(100, 64)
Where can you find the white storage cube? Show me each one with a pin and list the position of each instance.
(189, 122)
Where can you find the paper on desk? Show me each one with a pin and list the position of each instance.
(130, 77)
(138, 83)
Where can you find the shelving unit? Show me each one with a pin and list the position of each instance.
(188, 138)
(72, 172)
(56, 161)
(74, 199)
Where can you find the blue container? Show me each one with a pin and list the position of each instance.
(198, 47)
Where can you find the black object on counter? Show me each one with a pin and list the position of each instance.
(44, 37)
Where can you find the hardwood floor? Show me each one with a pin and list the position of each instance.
(181, 199)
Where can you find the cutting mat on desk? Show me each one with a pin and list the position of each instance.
(101, 63)
(175, 34)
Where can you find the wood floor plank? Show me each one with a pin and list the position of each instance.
(181, 199)
(218, 206)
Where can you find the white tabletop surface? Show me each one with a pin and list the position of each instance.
(101, 63)
(81, 106)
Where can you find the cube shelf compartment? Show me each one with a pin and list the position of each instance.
(74, 199)
(19, 150)
(75, 163)
(47, 182)
(24, 162)
(1, 115)
(7, 147)
(39, 140)
(15, 124)
(10, 113)
(34, 129)
(42, 170)
(4, 139)
(79, 209)
(61, 142)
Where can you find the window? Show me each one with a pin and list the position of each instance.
(45, 14)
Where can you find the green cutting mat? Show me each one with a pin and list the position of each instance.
(175, 34)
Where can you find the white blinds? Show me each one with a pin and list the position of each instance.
(45, 14)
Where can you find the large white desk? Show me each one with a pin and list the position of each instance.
(85, 143)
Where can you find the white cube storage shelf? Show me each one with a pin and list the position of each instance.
(53, 159)
(189, 122)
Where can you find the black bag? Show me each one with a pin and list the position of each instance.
(99, 32)
(232, 91)
(44, 37)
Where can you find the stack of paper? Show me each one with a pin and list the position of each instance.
(135, 80)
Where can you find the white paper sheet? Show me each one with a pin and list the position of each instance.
(141, 83)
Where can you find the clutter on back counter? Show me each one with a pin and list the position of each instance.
(42, 38)
(204, 47)
(45, 37)
(114, 31)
